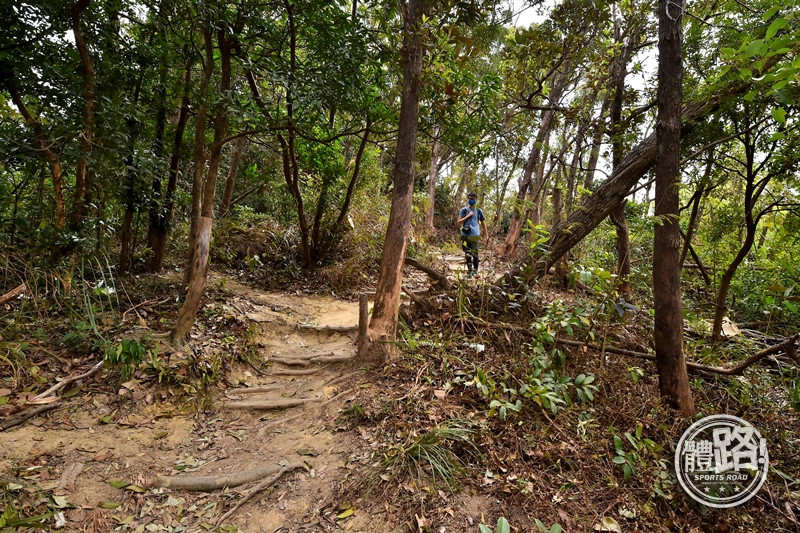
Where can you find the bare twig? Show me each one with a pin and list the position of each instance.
(283, 403)
(10, 423)
(66, 381)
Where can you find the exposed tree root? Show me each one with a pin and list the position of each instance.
(11, 422)
(256, 390)
(289, 372)
(261, 486)
(786, 346)
(212, 483)
(264, 405)
(306, 360)
(332, 329)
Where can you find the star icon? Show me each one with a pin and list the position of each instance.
(707, 489)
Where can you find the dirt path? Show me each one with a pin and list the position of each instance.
(74, 454)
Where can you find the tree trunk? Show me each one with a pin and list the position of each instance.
(230, 182)
(197, 281)
(623, 244)
(534, 162)
(199, 151)
(614, 190)
(79, 202)
(432, 171)
(161, 214)
(668, 331)
(696, 214)
(55, 163)
(383, 326)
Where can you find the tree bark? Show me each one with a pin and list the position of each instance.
(161, 214)
(534, 162)
(201, 246)
(383, 325)
(230, 182)
(696, 214)
(668, 331)
(199, 150)
(55, 163)
(79, 202)
(432, 171)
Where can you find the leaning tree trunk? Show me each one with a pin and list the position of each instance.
(613, 191)
(383, 326)
(668, 330)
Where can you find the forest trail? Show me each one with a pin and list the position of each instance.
(82, 447)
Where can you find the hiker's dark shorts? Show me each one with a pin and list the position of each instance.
(470, 245)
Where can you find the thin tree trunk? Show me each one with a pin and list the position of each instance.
(432, 171)
(383, 326)
(696, 214)
(161, 214)
(668, 331)
(230, 182)
(129, 195)
(534, 162)
(55, 163)
(79, 202)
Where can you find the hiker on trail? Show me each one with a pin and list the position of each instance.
(468, 219)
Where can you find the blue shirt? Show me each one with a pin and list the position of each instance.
(470, 226)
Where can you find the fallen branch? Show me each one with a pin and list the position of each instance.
(212, 483)
(261, 486)
(11, 422)
(439, 278)
(786, 346)
(140, 304)
(264, 405)
(13, 293)
(66, 381)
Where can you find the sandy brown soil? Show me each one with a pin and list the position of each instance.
(76, 454)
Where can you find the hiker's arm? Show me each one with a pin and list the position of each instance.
(483, 228)
(461, 220)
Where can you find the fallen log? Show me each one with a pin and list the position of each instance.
(212, 483)
(439, 278)
(13, 293)
(265, 405)
(786, 346)
(261, 486)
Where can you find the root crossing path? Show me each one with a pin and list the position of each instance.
(192, 471)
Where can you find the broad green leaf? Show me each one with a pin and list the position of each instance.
(503, 526)
(779, 114)
(118, 484)
(346, 513)
(109, 505)
(484, 528)
(777, 24)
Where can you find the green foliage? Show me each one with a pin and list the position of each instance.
(431, 455)
(126, 356)
(555, 528)
(502, 527)
(633, 457)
